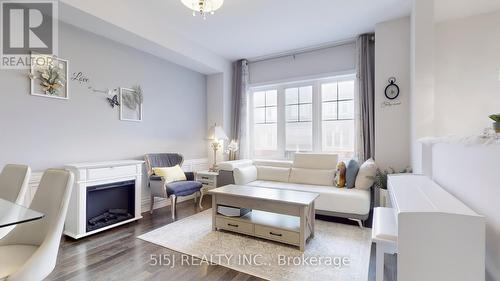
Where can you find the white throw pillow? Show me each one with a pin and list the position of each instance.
(270, 173)
(366, 175)
(312, 176)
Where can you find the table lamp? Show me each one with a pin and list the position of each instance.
(217, 136)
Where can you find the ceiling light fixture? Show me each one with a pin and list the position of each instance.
(203, 6)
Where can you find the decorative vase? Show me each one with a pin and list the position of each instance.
(496, 127)
(382, 197)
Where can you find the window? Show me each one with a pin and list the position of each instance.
(298, 118)
(311, 116)
(337, 101)
(265, 119)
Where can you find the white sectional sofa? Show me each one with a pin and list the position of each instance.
(308, 172)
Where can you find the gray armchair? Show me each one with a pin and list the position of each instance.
(172, 190)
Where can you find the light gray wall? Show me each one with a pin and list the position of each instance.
(421, 77)
(392, 123)
(44, 132)
(467, 74)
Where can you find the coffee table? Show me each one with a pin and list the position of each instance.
(285, 216)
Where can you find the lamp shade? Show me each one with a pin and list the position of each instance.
(216, 133)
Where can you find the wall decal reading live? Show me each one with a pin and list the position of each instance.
(111, 95)
(80, 77)
(132, 97)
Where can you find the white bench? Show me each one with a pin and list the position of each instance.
(385, 236)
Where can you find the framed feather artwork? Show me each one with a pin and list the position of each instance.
(131, 104)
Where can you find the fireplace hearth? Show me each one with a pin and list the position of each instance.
(109, 217)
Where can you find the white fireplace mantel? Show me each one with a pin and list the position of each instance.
(99, 173)
(466, 140)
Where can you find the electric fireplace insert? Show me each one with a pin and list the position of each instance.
(109, 204)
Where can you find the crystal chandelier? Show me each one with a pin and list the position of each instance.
(203, 6)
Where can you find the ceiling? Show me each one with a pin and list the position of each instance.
(240, 29)
(254, 28)
(244, 28)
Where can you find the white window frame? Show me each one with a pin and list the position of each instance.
(281, 122)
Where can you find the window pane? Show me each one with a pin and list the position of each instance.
(299, 136)
(305, 111)
(346, 109)
(259, 98)
(271, 115)
(329, 91)
(259, 115)
(346, 90)
(292, 96)
(271, 97)
(338, 137)
(292, 113)
(305, 94)
(265, 137)
(336, 125)
(329, 110)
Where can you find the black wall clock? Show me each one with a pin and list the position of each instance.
(392, 90)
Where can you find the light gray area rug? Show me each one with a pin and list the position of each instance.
(337, 252)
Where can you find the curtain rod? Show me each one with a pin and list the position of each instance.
(303, 51)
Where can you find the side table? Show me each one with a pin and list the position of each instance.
(209, 181)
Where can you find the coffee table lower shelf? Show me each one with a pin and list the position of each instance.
(271, 226)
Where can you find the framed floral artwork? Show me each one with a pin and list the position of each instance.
(49, 76)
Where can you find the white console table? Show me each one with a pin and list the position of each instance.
(90, 175)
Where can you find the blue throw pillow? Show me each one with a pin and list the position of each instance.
(352, 172)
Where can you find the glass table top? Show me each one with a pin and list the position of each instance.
(11, 214)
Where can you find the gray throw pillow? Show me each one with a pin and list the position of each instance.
(352, 172)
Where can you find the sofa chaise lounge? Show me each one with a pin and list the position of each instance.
(307, 172)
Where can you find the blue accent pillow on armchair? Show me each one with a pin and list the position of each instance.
(352, 172)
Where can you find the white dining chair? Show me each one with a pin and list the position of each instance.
(14, 182)
(29, 251)
(13, 187)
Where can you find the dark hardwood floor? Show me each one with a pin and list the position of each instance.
(117, 254)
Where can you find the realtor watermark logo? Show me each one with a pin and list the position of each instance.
(27, 27)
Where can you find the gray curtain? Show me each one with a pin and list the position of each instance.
(239, 124)
(365, 72)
